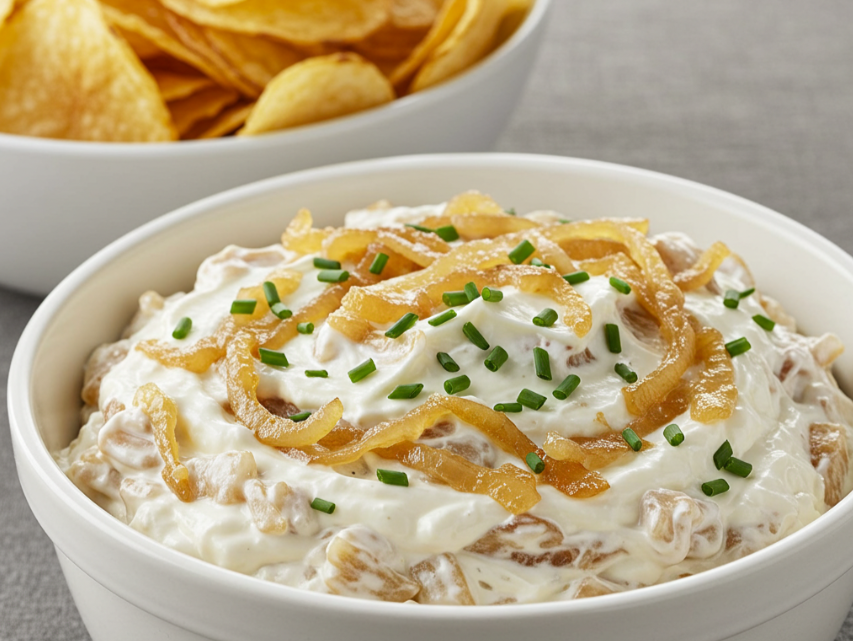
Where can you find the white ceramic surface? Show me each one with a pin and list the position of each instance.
(130, 587)
(62, 201)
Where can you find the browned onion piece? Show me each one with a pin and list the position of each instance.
(713, 392)
(702, 272)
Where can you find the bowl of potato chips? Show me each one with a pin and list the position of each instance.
(115, 111)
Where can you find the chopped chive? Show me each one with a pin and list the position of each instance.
(454, 299)
(738, 346)
(509, 407)
(447, 233)
(576, 277)
(391, 477)
(271, 357)
(323, 506)
(535, 463)
(614, 342)
(182, 328)
(545, 318)
(378, 263)
(298, 418)
(629, 375)
(491, 295)
(722, 455)
(362, 371)
(620, 285)
(738, 467)
(731, 299)
(305, 328)
(457, 384)
(538, 263)
(632, 439)
(565, 389)
(442, 318)
(495, 359)
(326, 263)
(333, 276)
(471, 291)
(406, 391)
(510, 211)
(281, 311)
(564, 221)
(712, 488)
(764, 322)
(542, 363)
(474, 335)
(531, 399)
(521, 252)
(673, 435)
(447, 362)
(316, 373)
(747, 292)
(243, 306)
(406, 322)
(426, 230)
(271, 293)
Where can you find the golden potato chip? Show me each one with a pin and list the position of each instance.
(199, 106)
(318, 89)
(414, 14)
(515, 14)
(142, 47)
(174, 86)
(6, 7)
(298, 21)
(64, 74)
(447, 19)
(258, 59)
(224, 123)
(470, 41)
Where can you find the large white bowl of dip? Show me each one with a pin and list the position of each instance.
(130, 587)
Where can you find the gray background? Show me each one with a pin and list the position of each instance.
(754, 97)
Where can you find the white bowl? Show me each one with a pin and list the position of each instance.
(62, 201)
(129, 587)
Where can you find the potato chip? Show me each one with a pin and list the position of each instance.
(318, 89)
(515, 14)
(447, 19)
(6, 7)
(64, 74)
(414, 14)
(298, 21)
(174, 86)
(142, 47)
(204, 104)
(470, 41)
(258, 59)
(224, 123)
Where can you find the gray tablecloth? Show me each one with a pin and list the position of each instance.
(752, 97)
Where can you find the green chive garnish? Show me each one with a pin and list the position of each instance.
(298, 418)
(542, 363)
(632, 439)
(456, 385)
(510, 211)
(474, 335)
(323, 506)
(535, 463)
(576, 277)
(305, 328)
(471, 292)
(565, 389)
(673, 435)
(405, 323)
(747, 292)
(326, 263)
(426, 230)
(390, 477)
(271, 357)
(243, 306)
(491, 295)
(614, 342)
(521, 252)
(447, 362)
(764, 322)
(271, 293)
(531, 399)
(442, 318)
(545, 318)
(509, 407)
(731, 299)
(182, 328)
(722, 455)
(564, 221)
(495, 359)
(448, 233)
(316, 373)
(738, 467)
(738, 346)
(712, 488)
(620, 285)
(364, 370)
(406, 391)
(538, 263)
(333, 276)
(281, 311)
(629, 375)
(454, 299)
(378, 263)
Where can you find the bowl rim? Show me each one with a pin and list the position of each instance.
(29, 445)
(399, 107)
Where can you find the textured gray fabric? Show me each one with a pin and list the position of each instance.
(752, 97)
